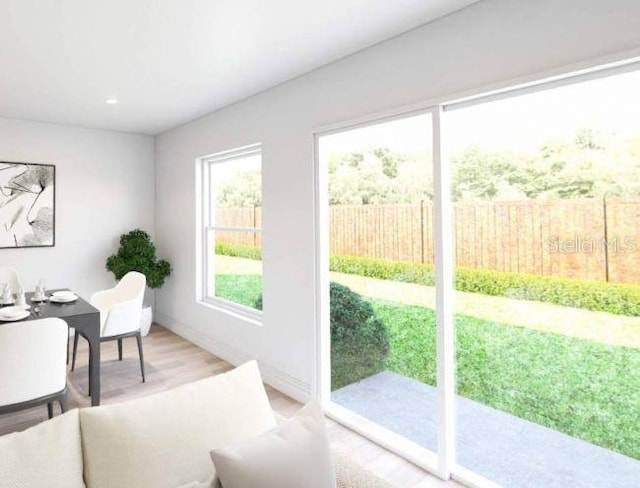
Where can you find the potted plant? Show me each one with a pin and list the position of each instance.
(138, 253)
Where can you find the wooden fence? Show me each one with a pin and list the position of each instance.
(586, 239)
(246, 218)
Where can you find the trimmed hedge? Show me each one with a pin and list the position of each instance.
(239, 251)
(589, 295)
(421, 274)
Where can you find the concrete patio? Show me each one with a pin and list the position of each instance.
(503, 448)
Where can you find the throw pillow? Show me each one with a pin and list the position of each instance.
(296, 453)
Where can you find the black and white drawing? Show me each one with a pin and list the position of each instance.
(27, 205)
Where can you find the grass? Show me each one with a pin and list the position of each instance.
(242, 289)
(583, 388)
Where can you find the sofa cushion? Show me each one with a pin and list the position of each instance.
(350, 474)
(296, 453)
(48, 454)
(163, 440)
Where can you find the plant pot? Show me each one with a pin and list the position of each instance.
(146, 317)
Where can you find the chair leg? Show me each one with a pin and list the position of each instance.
(75, 349)
(139, 340)
(50, 409)
(68, 329)
(120, 349)
(64, 402)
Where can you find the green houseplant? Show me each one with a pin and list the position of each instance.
(138, 253)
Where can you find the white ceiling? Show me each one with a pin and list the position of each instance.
(170, 61)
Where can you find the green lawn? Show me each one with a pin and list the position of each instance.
(242, 289)
(583, 388)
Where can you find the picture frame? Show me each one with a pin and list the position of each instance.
(27, 205)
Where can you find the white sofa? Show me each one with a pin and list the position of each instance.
(158, 441)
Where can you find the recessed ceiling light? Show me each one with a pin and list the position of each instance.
(111, 100)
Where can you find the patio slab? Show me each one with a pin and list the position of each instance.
(503, 448)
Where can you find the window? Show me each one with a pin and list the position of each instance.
(231, 239)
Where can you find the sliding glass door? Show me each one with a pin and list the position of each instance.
(546, 191)
(381, 275)
(479, 274)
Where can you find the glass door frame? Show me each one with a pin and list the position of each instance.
(441, 465)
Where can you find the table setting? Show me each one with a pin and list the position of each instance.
(15, 307)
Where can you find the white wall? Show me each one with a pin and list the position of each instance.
(482, 46)
(104, 187)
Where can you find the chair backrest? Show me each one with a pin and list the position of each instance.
(10, 275)
(33, 359)
(131, 286)
(124, 305)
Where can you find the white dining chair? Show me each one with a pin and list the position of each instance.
(120, 309)
(33, 368)
(10, 276)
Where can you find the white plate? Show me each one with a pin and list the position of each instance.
(12, 318)
(64, 294)
(13, 311)
(65, 299)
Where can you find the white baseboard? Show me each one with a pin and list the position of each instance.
(274, 377)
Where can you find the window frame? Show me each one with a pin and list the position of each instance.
(205, 272)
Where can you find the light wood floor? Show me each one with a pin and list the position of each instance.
(171, 361)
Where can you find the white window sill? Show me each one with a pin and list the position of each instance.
(241, 312)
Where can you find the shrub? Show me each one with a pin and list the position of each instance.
(138, 253)
(590, 295)
(239, 251)
(359, 340)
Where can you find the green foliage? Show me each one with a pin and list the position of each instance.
(242, 289)
(580, 387)
(590, 164)
(383, 269)
(589, 295)
(138, 253)
(239, 251)
(379, 175)
(359, 341)
(353, 319)
(243, 189)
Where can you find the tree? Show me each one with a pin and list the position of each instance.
(377, 176)
(242, 190)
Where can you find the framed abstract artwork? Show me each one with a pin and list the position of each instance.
(27, 205)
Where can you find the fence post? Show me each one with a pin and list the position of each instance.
(422, 250)
(606, 239)
(255, 221)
